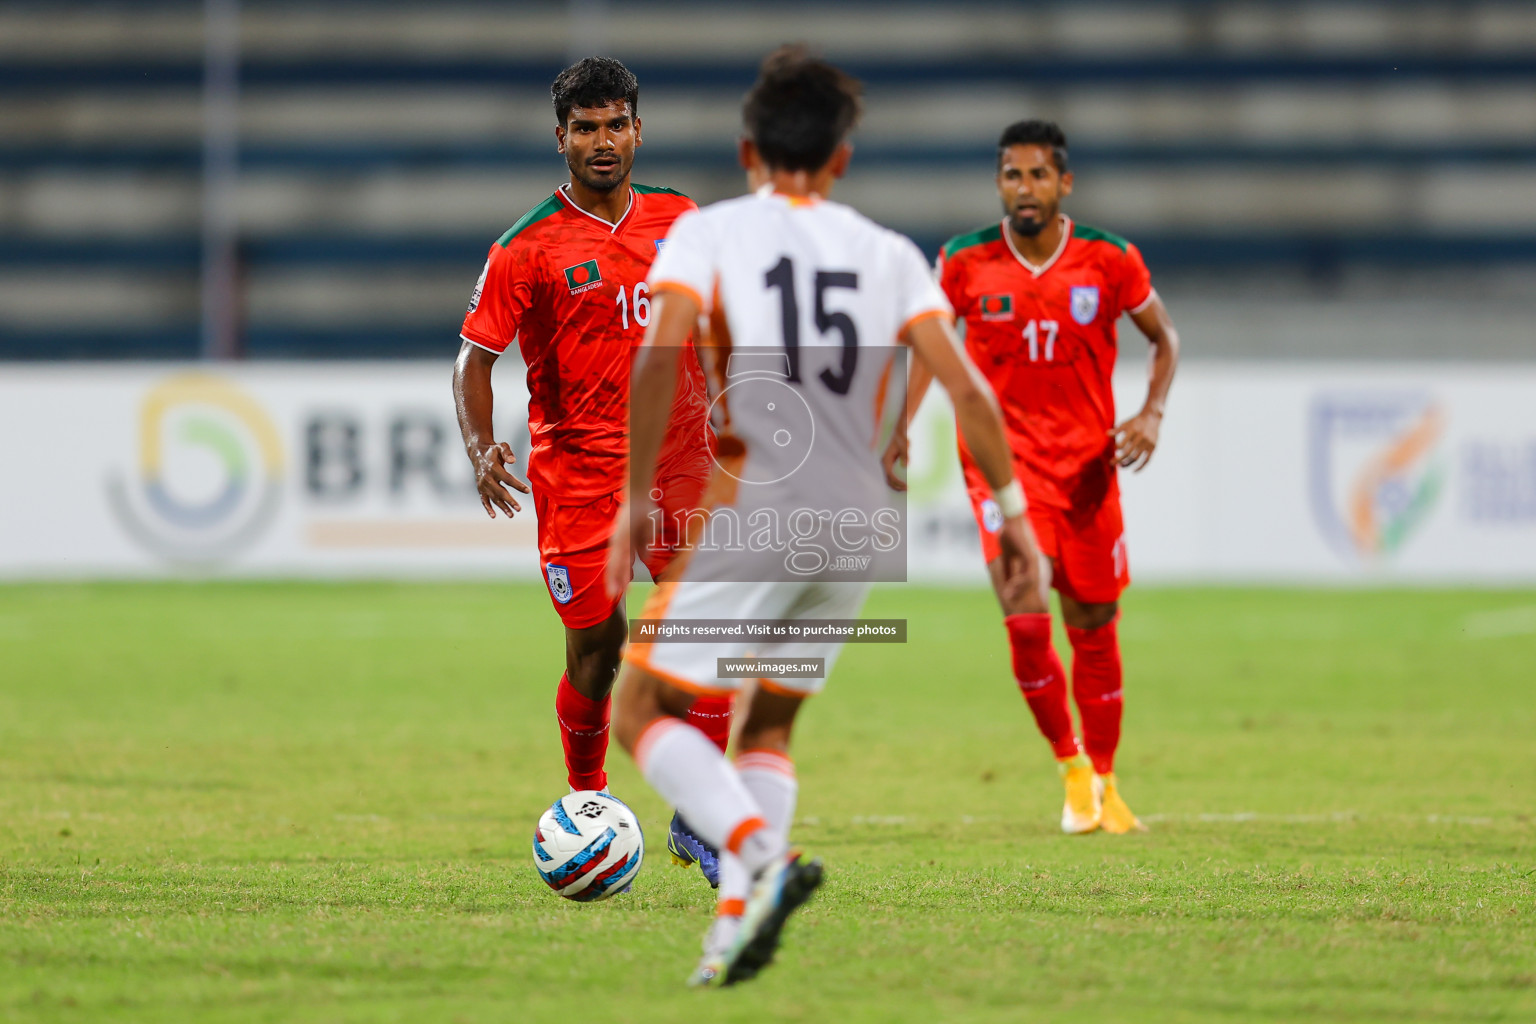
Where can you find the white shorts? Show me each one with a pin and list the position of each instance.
(695, 666)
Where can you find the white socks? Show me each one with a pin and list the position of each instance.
(770, 777)
(691, 774)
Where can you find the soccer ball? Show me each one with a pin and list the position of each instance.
(588, 846)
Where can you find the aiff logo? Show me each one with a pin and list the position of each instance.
(1376, 468)
(210, 471)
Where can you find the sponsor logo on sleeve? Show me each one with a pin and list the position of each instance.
(583, 277)
(996, 307)
(474, 298)
(1085, 303)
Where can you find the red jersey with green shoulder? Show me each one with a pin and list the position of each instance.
(570, 288)
(1045, 338)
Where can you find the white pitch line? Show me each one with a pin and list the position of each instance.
(1207, 818)
(1338, 817)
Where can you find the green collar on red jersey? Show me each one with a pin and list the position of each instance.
(1088, 234)
(655, 189)
(990, 233)
(547, 208)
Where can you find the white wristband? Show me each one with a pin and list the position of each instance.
(1010, 500)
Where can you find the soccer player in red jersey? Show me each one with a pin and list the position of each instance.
(567, 282)
(1040, 296)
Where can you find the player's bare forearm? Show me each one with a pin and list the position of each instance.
(917, 387)
(472, 395)
(653, 387)
(1136, 438)
(981, 424)
(1157, 325)
(652, 390)
(473, 399)
(976, 411)
(896, 450)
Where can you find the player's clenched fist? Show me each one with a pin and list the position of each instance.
(1136, 438)
(492, 478)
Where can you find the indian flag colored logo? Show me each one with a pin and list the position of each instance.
(997, 307)
(583, 277)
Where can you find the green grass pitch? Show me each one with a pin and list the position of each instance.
(313, 802)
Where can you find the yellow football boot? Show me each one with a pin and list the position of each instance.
(1116, 817)
(1082, 811)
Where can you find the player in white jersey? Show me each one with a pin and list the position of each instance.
(806, 301)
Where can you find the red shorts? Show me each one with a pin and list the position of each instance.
(1086, 546)
(573, 545)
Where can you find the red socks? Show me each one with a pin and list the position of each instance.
(1042, 680)
(584, 731)
(584, 734)
(1096, 687)
(712, 717)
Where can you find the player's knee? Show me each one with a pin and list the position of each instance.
(592, 657)
(772, 737)
(1090, 617)
(592, 676)
(634, 707)
(642, 698)
(768, 721)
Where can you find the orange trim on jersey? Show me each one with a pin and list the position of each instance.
(640, 661)
(927, 314)
(782, 691)
(743, 830)
(653, 731)
(810, 200)
(731, 908)
(660, 597)
(655, 607)
(662, 287)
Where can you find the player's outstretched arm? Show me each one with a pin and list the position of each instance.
(1136, 438)
(981, 424)
(652, 390)
(472, 396)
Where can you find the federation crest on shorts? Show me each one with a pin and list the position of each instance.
(1085, 303)
(559, 583)
(991, 516)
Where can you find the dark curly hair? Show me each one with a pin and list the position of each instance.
(594, 82)
(801, 109)
(1036, 133)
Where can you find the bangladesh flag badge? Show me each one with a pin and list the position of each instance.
(583, 277)
(993, 307)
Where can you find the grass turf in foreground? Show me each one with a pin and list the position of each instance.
(287, 803)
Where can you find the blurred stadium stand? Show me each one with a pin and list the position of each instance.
(1343, 179)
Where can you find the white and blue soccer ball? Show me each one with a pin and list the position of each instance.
(588, 846)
